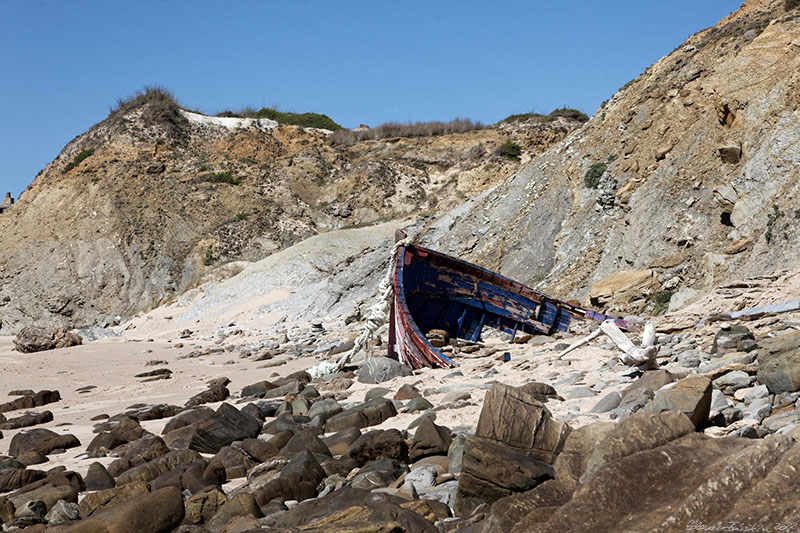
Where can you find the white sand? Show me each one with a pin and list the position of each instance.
(230, 123)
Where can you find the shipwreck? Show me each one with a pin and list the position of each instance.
(431, 290)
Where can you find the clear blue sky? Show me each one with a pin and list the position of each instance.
(63, 64)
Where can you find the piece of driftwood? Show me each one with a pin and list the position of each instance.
(649, 335)
(633, 355)
(593, 335)
(644, 357)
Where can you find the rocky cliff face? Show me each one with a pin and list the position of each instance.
(686, 177)
(701, 156)
(149, 201)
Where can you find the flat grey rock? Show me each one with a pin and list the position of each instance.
(607, 403)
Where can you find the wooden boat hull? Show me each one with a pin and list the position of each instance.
(435, 291)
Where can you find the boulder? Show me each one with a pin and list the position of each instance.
(571, 462)
(638, 432)
(682, 484)
(779, 363)
(36, 339)
(235, 461)
(317, 509)
(378, 444)
(47, 491)
(152, 469)
(16, 478)
(733, 381)
(422, 476)
(512, 416)
(691, 395)
(641, 391)
(241, 504)
(214, 430)
(378, 474)
(191, 477)
(429, 439)
(61, 512)
(31, 508)
(729, 338)
(325, 408)
(418, 404)
(367, 414)
(258, 449)
(137, 453)
(32, 457)
(98, 478)
(455, 454)
(27, 420)
(42, 440)
(376, 392)
(623, 287)
(305, 440)
(29, 401)
(491, 471)
(517, 511)
(293, 387)
(287, 422)
(540, 391)
(201, 507)
(159, 511)
(257, 389)
(102, 498)
(380, 369)
(607, 403)
(407, 392)
(338, 443)
(216, 392)
(7, 510)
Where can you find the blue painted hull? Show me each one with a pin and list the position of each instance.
(436, 291)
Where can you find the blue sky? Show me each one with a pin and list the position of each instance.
(64, 64)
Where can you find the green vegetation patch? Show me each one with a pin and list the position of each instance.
(565, 112)
(224, 177)
(592, 177)
(661, 301)
(306, 120)
(80, 156)
(159, 108)
(509, 150)
(772, 219)
(524, 117)
(397, 129)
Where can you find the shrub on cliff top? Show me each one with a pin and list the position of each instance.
(565, 112)
(398, 129)
(306, 120)
(160, 107)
